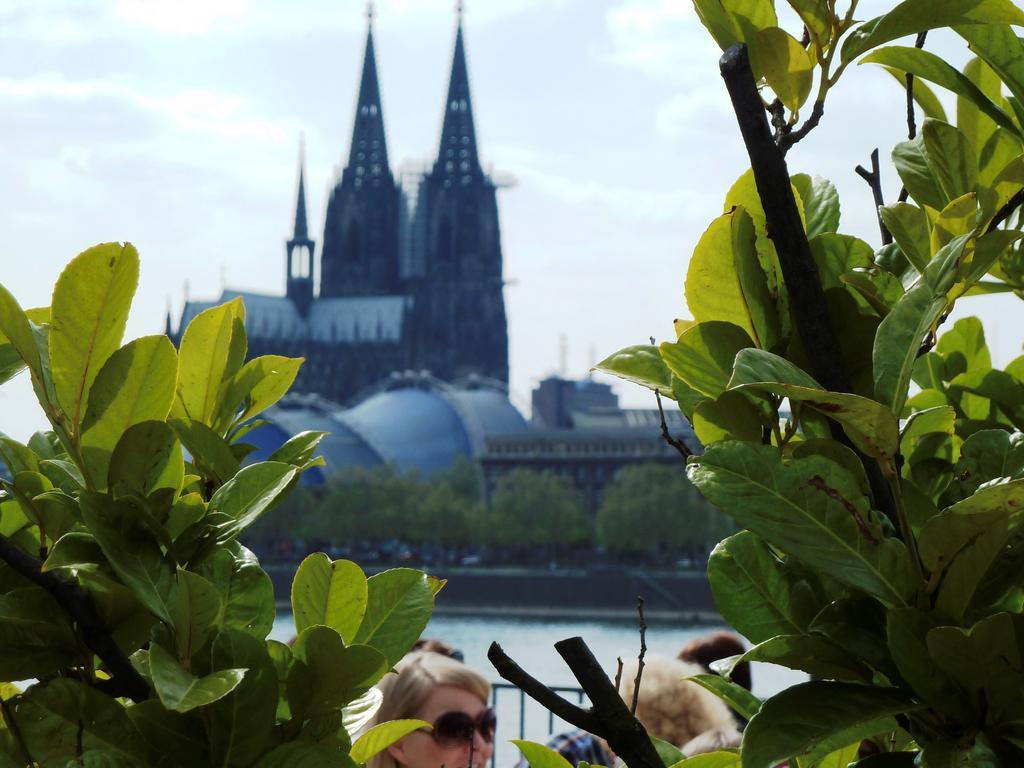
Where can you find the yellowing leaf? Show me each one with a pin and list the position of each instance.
(726, 282)
(785, 64)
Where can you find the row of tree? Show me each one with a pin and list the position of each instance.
(650, 508)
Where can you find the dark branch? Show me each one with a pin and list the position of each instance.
(791, 138)
(786, 230)
(616, 724)
(539, 692)
(1006, 211)
(675, 442)
(77, 603)
(640, 657)
(618, 672)
(911, 122)
(874, 180)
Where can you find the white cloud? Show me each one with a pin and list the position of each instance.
(181, 17)
(662, 39)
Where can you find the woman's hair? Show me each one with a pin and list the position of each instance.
(670, 707)
(718, 645)
(415, 677)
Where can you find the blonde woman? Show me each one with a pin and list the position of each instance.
(453, 698)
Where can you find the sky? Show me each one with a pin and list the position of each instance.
(175, 125)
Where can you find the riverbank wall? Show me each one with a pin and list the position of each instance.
(606, 593)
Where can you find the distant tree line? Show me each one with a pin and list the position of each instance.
(648, 510)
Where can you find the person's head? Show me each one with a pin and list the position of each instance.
(670, 707)
(447, 694)
(714, 646)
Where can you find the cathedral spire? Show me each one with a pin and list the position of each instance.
(457, 156)
(299, 249)
(369, 147)
(300, 233)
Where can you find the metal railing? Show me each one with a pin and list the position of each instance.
(530, 721)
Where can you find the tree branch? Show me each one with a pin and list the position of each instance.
(675, 442)
(786, 230)
(77, 603)
(1006, 211)
(874, 180)
(640, 657)
(623, 732)
(539, 692)
(792, 137)
(609, 717)
(911, 122)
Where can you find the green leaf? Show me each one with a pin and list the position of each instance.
(242, 722)
(950, 158)
(540, 756)
(906, 629)
(210, 453)
(835, 255)
(198, 612)
(250, 493)
(785, 64)
(170, 734)
(135, 384)
(722, 758)
(913, 16)
(902, 331)
(725, 280)
(812, 509)
(915, 171)
(398, 607)
(327, 674)
(245, 588)
(332, 593)
(641, 364)
(739, 699)
(132, 551)
(382, 736)
(146, 459)
(56, 716)
(999, 47)
(298, 450)
(670, 754)
(305, 754)
(703, 355)
(259, 384)
(945, 534)
(817, 17)
(730, 416)
(909, 227)
(358, 713)
(990, 454)
(871, 427)
(203, 361)
(734, 21)
(754, 591)
(928, 66)
(35, 639)
(182, 691)
(963, 347)
(811, 716)
(812, 654)
(88, 317)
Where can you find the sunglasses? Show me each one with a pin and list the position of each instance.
(454, 729)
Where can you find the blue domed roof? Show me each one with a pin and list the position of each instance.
(413, 422)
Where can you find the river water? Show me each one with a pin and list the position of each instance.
(530, 642)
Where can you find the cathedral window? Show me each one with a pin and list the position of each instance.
(449, 166)
(463, 105)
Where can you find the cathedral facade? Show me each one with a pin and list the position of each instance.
(410, 268)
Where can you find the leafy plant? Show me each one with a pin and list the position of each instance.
(875, 467)
(125, 595)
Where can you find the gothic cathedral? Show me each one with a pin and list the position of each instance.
(410, 268)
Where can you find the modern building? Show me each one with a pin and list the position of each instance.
(410, 269)
(413, 421)
(579, 432)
